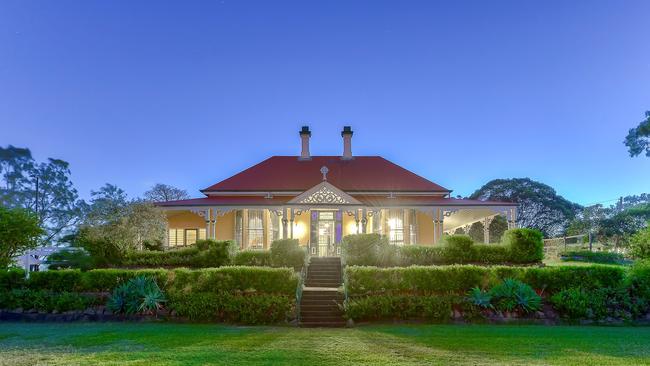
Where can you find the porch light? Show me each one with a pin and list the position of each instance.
(352, 228)
(298, 230)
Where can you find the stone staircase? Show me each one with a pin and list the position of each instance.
(319, 305)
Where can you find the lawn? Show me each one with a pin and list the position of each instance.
(185, 344)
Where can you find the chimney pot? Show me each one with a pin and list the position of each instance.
(347, 142)
(305, 134)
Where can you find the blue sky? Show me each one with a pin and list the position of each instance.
(460, 92)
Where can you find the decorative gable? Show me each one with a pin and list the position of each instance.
(324, 193)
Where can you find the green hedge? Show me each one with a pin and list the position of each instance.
(11, 278)
(204, 254)
(257, 258)
(519, 246)
(460, 278)
(236, 278)
(233, 308)
(402, 307)
(44, 300)
(288, 253)
(593, 257)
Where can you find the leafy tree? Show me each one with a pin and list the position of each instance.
(44, 188)
(163, 193)
(115, 224)
(539, 206)
(476, 232)
(640, 244)
(497, 228)
(638, 138)
(19, 231)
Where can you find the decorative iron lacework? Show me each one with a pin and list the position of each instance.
(324, 195)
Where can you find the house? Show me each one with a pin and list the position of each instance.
(320, 199)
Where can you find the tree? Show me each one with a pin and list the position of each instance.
(638, 138)
(498, 226)
(163, 193)
(476, 232)
(44, 188)
(114, 224)
(19, 231)
(640, 244)
(539, 206)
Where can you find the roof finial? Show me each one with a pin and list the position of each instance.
(324, 171)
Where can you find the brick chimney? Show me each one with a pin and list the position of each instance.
(305, 134)
(347, 142)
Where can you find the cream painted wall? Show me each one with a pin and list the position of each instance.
(190, 220)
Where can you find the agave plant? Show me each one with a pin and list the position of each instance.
(512, 294)
(479, 297)
(139, 295)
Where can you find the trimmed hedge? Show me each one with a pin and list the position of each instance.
(257, 258)
(41, 300)
(593, 257)
(11, 278)
(403, 307)
(460, 278)
(205, 253)
(519, 246)
(233, 308)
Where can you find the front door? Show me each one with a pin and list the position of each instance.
(324, 239)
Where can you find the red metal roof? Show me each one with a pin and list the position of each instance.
(372, 201)
(363, 173)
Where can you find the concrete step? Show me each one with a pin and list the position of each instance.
(323, 324)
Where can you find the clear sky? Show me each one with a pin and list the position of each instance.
(461, 92)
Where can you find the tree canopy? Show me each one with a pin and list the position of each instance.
(638, 138)
(163, 193)
(19, 231)
(43, 188)
(539, 206)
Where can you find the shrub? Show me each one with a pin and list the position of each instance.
(42, 300)
(593, 257)
(234, 308)
(70, 258)
(107, 279)
(581, 303)
(260, 258)
(63, 280)
(234, 279)
(526, 245)
(421, 255)
(363, 249)
(11, 278)
(140, 295)
(204, 254)
(515, 295)
(287, 253)
(479, 298)
(434, 308)
(491, 254)
(554, 279)
(458, 249)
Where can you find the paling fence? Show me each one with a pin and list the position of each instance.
(553, 247)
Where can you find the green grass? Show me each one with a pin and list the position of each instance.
(185, 344)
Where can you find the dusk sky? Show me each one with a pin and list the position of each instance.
(460, 92)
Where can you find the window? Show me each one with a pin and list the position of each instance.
(396, 227)
(256, 229)
(413, 227)
(182, 237)
(252, 225)
(275, 226)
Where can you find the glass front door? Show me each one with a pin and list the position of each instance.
(323, 244)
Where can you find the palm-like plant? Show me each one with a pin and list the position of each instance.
(513, 294)
(479, 298)
(139, 295)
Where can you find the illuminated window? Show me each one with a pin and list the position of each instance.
(376, 223)
(256, 229)
(396, 227)
(181, 237)
(275, 226)
(176, 237)
(201, 234)
(191, 236)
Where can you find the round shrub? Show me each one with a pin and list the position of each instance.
(526, 245)
(287, 253)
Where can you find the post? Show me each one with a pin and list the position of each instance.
(356, 219)
(291, 221)
(364, 220)
(285, 221)
(486, 231)
(214, 224)
(207, 223)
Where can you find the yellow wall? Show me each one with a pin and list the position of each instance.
(190, 220)
(349, 225)
(301, 228)
(425, 229)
